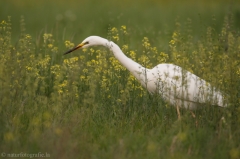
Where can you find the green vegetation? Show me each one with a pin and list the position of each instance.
(86, 105)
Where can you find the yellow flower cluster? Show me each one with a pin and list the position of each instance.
(150, 53)
(47, 38)
(124, 29)
(69, 45)
(115, 35)
(94, 75)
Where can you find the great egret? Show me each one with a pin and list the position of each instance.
(176, 85)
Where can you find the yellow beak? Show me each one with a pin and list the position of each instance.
(75, 48)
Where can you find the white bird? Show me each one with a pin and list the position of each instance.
(177, 86)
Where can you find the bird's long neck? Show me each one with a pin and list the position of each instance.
(135, 68)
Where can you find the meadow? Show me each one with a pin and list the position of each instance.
(87, 105)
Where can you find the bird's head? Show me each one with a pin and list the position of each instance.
(89, 41)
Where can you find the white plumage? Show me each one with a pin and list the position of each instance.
(176, 85)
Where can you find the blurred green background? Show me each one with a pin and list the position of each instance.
(88, 121)
(77, 19)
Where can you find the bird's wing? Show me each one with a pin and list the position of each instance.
(176, 84)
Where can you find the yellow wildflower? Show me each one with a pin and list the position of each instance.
(172, 42)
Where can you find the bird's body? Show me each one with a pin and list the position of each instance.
(175, 85)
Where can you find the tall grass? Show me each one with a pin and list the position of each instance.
(86, 105)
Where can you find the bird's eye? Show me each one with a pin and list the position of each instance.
(86, 43)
